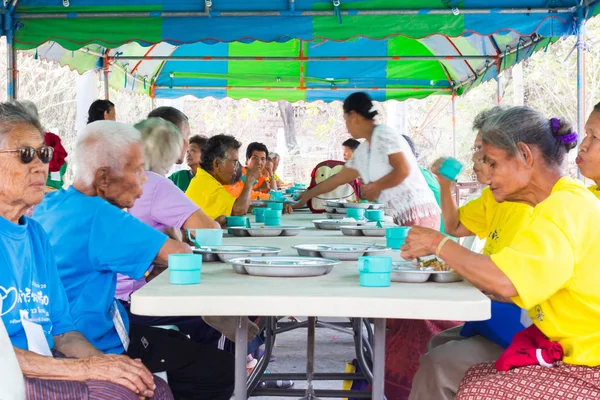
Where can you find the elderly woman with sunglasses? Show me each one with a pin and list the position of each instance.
(35, 309)
(550, 268)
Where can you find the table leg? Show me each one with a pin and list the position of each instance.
(310, 359)
(241, 356)
(379, 359)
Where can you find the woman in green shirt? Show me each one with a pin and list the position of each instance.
(182, 178)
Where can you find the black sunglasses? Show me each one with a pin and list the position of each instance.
(27, 154)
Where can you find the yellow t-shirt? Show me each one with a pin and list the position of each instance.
(554, 265)
(499, 222)
(594, 189)
(210, 195)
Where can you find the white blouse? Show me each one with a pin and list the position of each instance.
(410, 200)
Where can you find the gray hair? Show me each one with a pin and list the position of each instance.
(163, 142)
(483, 116)
(216, 149)
(275, 156)
(30, 107)
(170, 114)
(14, 114)
(525, 125)
(102, 144)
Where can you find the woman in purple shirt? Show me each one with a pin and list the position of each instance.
(165, 207)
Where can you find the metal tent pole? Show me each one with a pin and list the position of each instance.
(581, 78)
(454, 124)
(310, 59)
(11, 78)
(287, 13)
(105, 76)
(500, 90)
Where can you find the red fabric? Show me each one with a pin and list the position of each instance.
(60, 154)
(406, 342)
(562, 382)
(522, 350)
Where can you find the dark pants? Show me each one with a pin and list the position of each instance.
(195, 371)
(195, 327)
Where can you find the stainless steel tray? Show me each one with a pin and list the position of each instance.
(366, 206)
(284, 266)
(365, 230)
(406, 271)
(333, 224)
(342, 252)
(335, 216)
(267, 231)
(226, 253)
(334, 203)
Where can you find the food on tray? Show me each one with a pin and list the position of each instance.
(436, 265)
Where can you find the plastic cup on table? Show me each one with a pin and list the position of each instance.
(375, 215)
(272, 217)
(274, 205)
(259, 213)
(395, 236)
(185, 269)
(450, 168)
(375, 271)
(236, 221)
(277, 196)
(205, 237)
(356, 213)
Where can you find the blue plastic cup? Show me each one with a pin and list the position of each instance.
(276, 196)
(375, 271)
(185, 269)
(356, 213)
(375, 215)
(205, 237)
(450, 168)
(272, 217)
(274, 205)
(395, 236)
(236, 221)
(260, 214)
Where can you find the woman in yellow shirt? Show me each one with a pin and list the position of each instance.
(549, 269)
(588, 158)
(452, 352)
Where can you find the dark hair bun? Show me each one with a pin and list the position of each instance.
(360, 103)
(565, 129)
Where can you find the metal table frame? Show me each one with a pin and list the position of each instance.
(370, 350)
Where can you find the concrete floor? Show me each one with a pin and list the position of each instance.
(332, 351)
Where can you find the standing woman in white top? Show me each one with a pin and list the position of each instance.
(386, 166)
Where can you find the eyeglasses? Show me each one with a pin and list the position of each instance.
(27, 154)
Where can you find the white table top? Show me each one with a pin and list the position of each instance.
(338, 294)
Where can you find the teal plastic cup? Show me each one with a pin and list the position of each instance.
(395, 236)
(237, 221)
(185, 269)
(277, 196)
(259, 213)
(274, 205)
(205, 237)
(375, 215)
(375, 271)
(356, 213)
(272, 217)
(450, 168)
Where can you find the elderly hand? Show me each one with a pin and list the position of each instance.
(370, 191)
(288, 209)
(435, 169)
(253, 174)
(420, 242)
(121, 370)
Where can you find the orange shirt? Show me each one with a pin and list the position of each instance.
(236, 190)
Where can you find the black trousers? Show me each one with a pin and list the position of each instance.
(194, 327)
(195, 371)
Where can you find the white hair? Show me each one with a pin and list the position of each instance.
(163, 143)
(30, 107)
(102, 144)
(274, 156)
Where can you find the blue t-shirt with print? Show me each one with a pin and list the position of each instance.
(29, 281)
(93, 241)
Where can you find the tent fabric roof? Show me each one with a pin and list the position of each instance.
(187, 21)
(295, 49)
(396, 68)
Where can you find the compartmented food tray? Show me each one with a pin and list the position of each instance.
(410, 272)
(267, 231)
(342, 252)
(226, 253)
(283, 266)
